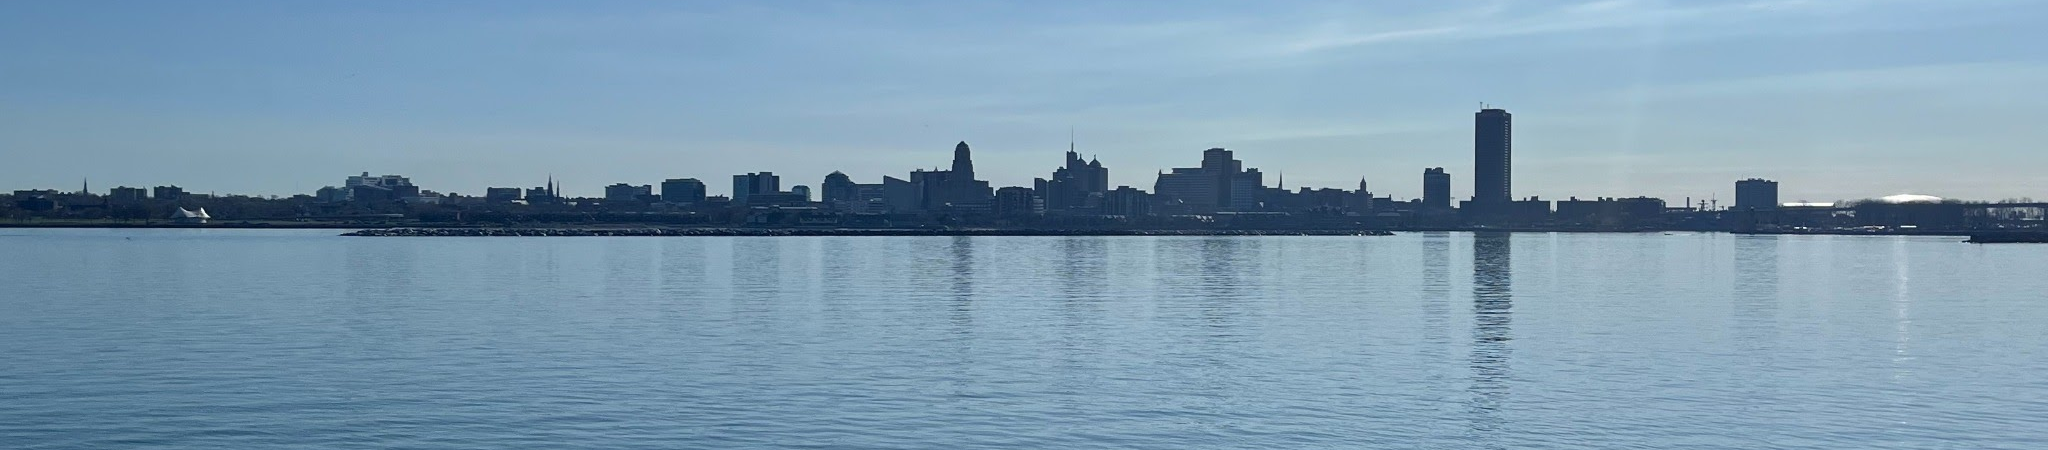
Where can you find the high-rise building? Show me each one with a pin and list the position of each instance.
(1220, 184)
(838, 190)
(1079, 185)
(1756, 194)
(682, 191)
(956, 188)
(1492, 158)
(754, 183)
(1436, 189)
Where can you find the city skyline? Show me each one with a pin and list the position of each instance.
(1617, 98)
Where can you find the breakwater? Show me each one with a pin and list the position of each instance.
(769, 232)
(2009, 237)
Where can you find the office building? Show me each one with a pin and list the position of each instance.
(1436, 189)
(623, 192)
(1127, 201)
(127, 194)
(1220, 184)
(1756, 194)
(682, 191)
(1492, 158)
(1079, 185)
(384, 181)
(172, 193)
(501, 195)
(801, 191)
(1015, 201)
(744, 186)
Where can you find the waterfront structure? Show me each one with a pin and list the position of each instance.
(1607, 211)
(183, 215)
(1756, 194)
(746, 185)
(1492, 160)
(1436, 189)
(623, 192)
(684, 191)
(1220, 184)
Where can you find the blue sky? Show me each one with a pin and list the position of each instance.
(1836, 99)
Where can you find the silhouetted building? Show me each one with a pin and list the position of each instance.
(1436, 189)
(1079, 185)
(36, 200)
(839, 191)
(683, 191)
(954, 189)
(902, 196)
(1127, 201)
(1493, 159)
(801, 191)
(1756, 194)
(171, 193)
(1610, 212)
(501, 195)
(126, 194)
(1014, 201)
(623, 192)
(1220, 184)
(745, 186)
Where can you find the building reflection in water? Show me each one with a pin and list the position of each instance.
(1436, 294)
(1755, 292)
(1492, 303)
(962, 250)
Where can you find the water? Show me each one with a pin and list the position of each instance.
(267, 339)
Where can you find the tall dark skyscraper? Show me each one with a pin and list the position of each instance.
(1436, 189)
(1492, 159)
(1756, 194)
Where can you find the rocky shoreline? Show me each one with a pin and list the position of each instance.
(773, 232)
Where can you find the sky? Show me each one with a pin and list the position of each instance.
(1835, 99)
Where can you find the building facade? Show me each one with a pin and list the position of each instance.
(686, 191)
(1756, 194)
(1436, 189)
(744, 186)
(1492, 161)
(1221, 184)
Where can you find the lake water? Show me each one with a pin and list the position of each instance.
(299, 339)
